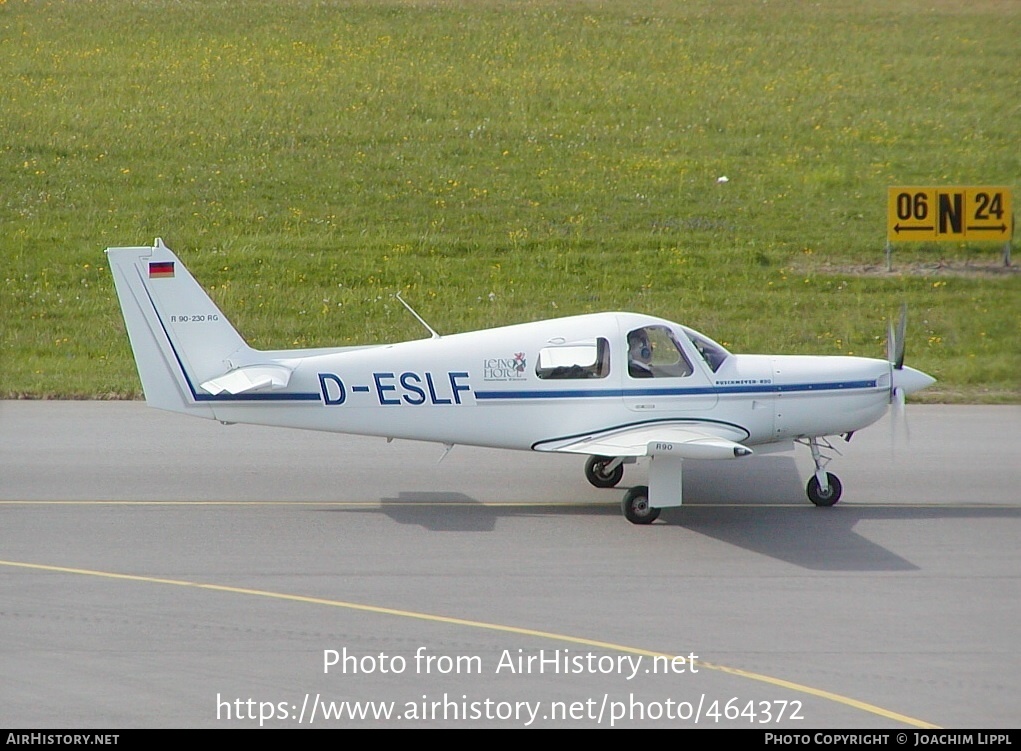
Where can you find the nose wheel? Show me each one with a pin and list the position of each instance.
(823, 487)
(824, 496)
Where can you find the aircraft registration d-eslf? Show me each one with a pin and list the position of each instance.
(615, 387)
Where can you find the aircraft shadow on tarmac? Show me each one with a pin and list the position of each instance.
(764, 512)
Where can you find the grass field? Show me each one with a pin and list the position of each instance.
(508, 161)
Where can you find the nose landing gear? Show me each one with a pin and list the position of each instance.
(823, 487)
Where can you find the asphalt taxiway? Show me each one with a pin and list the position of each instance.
(158, 571)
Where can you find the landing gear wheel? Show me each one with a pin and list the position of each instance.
(831, 495)
(636, 506)
(595, 472)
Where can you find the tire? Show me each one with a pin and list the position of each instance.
(636, 506)
(594, 472)
(832, 494)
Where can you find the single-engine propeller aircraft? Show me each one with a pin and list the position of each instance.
(612, 386)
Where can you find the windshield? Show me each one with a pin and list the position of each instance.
(713, 353)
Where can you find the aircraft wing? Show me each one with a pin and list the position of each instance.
(249, 378)
(683, 440)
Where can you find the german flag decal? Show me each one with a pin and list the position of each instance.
(161, 270)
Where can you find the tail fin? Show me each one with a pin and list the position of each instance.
(179, 337)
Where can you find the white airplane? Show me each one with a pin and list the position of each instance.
(613, 386)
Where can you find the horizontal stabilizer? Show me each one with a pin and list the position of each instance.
(250, 378)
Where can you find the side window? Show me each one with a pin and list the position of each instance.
(653, 352)
(575, 360)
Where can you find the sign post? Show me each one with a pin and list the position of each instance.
(922, 214)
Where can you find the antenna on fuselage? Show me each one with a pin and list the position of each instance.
(432, 331)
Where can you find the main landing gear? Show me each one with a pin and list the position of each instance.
(607, 472)
(823, 487)
(604, 471)
(636, 506)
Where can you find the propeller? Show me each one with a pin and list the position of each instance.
(903, 380)
(895, 355)
(895, 340)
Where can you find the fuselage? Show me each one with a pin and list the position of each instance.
(524, 385)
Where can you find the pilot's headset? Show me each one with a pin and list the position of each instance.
(644, 349)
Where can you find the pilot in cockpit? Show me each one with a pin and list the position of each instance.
(639, 354)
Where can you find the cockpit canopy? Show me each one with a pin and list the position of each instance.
(653, 351)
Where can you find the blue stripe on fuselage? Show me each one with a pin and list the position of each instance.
(699, 391)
